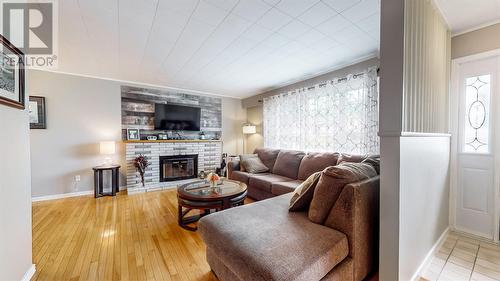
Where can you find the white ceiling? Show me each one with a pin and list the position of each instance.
(228, 47)
(463, 15)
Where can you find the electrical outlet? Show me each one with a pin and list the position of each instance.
(77, 178)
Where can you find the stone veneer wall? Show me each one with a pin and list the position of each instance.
(209, 158)
(138, 108)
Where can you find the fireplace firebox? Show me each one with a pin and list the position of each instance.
(178, 167)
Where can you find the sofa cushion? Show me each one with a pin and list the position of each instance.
(241, 176)
(263, 241)
(268, 156)
(264, 182)
(316, 162)
(330, 185)
(280, 188)
(303, 194)
(254, 165)
(288, 162)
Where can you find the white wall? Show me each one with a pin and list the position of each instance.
(390, 119)
(15, 190)
(81, 112)
(233, 118)
(424, 198)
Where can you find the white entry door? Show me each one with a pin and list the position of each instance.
(477, 141)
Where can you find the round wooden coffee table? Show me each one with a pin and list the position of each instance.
(200, 196)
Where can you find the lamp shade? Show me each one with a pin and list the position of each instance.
(249, 129)
(107, 147)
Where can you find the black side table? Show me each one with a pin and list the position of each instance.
(98, 180)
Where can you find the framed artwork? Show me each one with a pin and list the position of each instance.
(11, 75)
(38, 119)
(133, 134)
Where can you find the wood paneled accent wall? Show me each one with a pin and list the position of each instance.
(426, 68)
(138, 108)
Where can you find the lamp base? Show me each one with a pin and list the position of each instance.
(107, 161)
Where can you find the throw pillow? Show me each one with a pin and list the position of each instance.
(354, 158)
(330, 185)
(374, 161)
(303, 194)
(244, 157)
(254, 165)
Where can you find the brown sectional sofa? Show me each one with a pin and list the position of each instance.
(287, 170)
(264, 241)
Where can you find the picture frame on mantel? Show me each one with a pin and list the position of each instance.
(37, 114)
(11, 75)
(133, 134)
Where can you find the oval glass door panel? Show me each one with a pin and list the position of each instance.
(477, 104)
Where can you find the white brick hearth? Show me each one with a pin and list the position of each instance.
(209, 158)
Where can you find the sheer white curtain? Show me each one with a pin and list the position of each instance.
(340, 115)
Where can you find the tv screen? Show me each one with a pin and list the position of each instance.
(171, 117)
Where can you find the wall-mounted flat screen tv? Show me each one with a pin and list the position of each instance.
(171, 117)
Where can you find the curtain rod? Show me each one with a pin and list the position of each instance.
(321, 84)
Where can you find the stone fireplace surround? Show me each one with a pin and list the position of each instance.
(209, 158)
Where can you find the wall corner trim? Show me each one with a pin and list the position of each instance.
(389, 134)
(30, 273)
(428, 258)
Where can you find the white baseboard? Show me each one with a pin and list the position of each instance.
(67, 195)
(428, 258)
(29, 274)
(60, 196)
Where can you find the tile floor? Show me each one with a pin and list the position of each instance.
(463, 258)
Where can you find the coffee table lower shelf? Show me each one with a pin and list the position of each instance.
(205, 207)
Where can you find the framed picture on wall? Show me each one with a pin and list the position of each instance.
(133, 134)
(11, 75)
(38, 119)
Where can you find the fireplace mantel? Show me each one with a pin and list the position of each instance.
(209, 158)
(173, 141)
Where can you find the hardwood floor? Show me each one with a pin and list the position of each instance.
(117, 238)
(122, 238)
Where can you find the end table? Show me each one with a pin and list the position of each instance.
(98, 180)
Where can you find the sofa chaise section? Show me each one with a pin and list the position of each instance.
(264, 241)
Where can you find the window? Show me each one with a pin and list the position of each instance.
(339, 115)
(477, 111)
